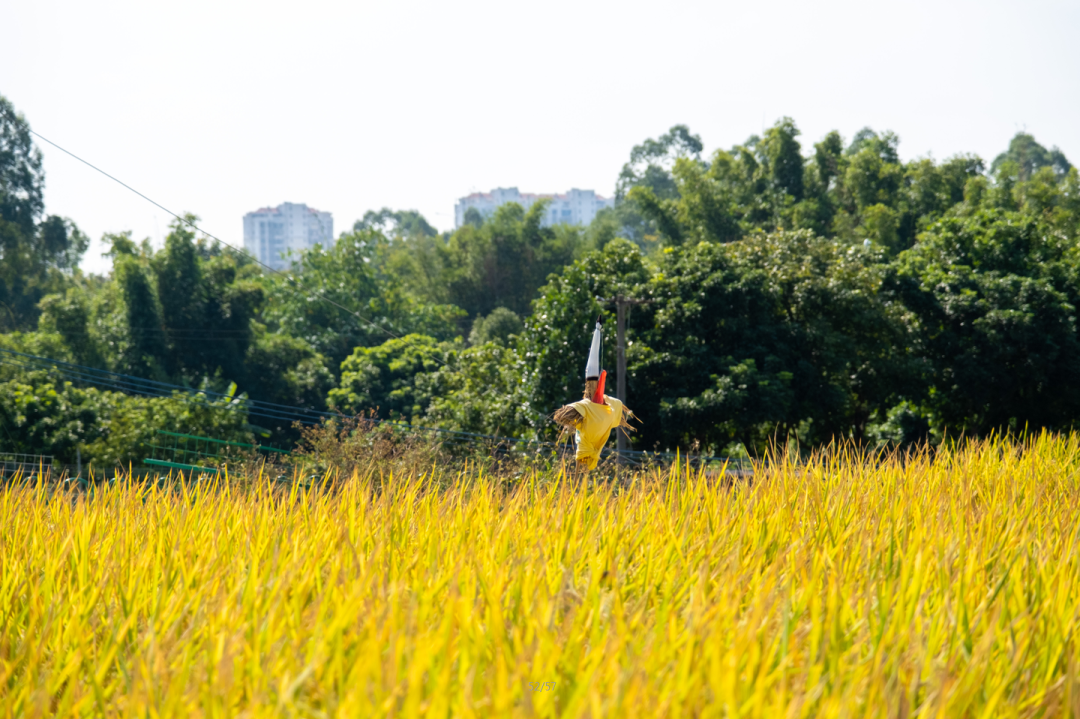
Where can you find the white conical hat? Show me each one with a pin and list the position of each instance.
(592, 367)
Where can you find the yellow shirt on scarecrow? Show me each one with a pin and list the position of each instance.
(597, 421)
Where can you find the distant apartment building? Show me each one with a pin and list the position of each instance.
(576, 207)
(270, 232)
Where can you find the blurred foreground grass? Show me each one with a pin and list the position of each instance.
(830, 587)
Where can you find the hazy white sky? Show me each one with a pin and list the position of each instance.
(219, 108)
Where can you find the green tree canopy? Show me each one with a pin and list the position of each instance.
(383, 378)
(500, 263)
(497, 327)
(993, 299)
(403, 223)
(1029, 156)
(336, 299)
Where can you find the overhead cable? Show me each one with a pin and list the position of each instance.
(244, 253)
(130, 384)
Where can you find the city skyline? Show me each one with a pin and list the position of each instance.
(576, 207)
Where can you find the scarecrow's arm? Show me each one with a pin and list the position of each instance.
(568, 416)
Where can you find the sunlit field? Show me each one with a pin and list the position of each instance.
(835, 586)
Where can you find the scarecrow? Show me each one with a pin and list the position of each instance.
(593, 417)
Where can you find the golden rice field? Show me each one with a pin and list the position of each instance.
(834, 587)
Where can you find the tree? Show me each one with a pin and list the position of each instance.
(704, 210)
(21, 177)
(287, 370)
(785, 160)
(383, 378)
(604, 228)
(68, 315)
(402, 223)
(474, 217)
(771, 336)
(145, 353)
(993, 298)
(498, 327)
(186, 315)
(662, 213)
(651, 162)
(828, 163)
(849, 352)
(1029, 157)
(932, 189)
(885, 145)
(182, 295)
(481, 389)
(338, 298)
(649, 172)
(233, 301)
(35, 254)
(61, 243)
(499, 263)
(871, 179)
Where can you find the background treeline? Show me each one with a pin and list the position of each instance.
(814, 291)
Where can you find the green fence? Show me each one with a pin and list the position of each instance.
(192, 453)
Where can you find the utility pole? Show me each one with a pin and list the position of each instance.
(621, 305)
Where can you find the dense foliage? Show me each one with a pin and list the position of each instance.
(819, 292)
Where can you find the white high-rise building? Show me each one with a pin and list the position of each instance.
(576, 207)
(269, 232)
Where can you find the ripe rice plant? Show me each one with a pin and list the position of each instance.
(942, 585)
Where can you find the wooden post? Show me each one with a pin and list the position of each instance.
(620, 361)
(621, 305)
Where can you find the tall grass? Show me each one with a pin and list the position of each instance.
(831, 587)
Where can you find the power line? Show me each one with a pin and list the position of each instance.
(186, 221)
(204, 333)
(129, 384)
